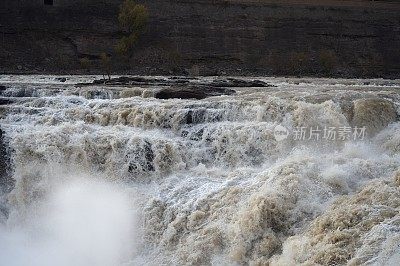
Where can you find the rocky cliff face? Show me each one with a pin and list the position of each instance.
(347, 38)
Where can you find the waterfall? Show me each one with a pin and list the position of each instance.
(302, 172)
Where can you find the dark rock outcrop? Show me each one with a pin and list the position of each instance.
(137, 81)
(5, 101)
(6, 183)
(172, 81)
(233, 82)
(61, 79)
(192, 92)
(214, 37)
(3, 156)
(182, 87)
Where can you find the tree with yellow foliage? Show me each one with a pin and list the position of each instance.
(133, 19)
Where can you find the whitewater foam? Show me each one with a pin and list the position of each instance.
(113, 176)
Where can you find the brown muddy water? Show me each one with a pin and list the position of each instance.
(303, 172)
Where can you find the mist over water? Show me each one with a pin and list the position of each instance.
(113, 176)
(82, 221)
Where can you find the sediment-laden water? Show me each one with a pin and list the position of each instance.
(306, 172)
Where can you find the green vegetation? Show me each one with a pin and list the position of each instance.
(132, 18)
(85, 63)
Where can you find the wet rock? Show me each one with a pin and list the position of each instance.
(195, 116)
(61, 79)
(189, 117)
(6, 183)
(232, 82)
(183, 78)
(127, 81)
(3, 165)
(375, 114)
(122, 81)
(5, 101)
(347, 109)
(193, 92)
(173, 81)
(149, 155)
(143, 159)
(180, 93)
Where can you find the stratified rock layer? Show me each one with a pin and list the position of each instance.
(346, 38)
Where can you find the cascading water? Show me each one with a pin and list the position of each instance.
(114, 176)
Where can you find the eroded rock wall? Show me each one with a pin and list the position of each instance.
(345, 38)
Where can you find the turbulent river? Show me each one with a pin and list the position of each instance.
(302, 172)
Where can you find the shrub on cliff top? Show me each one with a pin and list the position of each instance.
(85, 63)
(132, 18)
